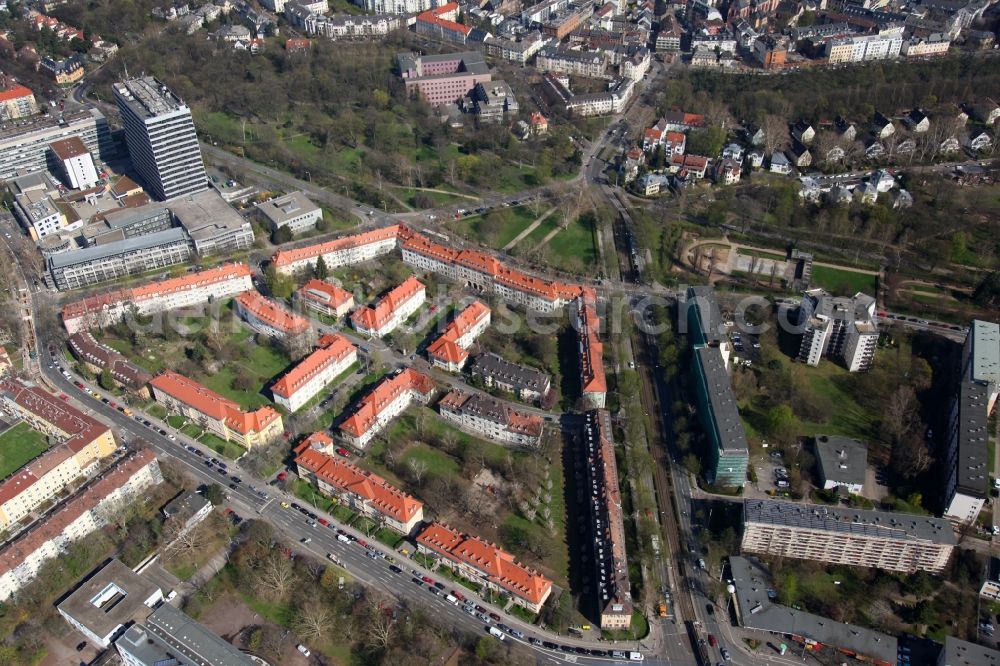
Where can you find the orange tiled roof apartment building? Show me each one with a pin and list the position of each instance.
(391, 310)
(478, 271)
(314, 373)
(384, 403)
(192, 289)
(23, 556)
(218, 415)
(614, 592)
(594, 383)
(486, 564)
(269, 317)
(493, 418)
(360, 490)
(342, 251)
(449, 350)
(325, 298)
(440, 24)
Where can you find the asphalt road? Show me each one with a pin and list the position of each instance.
(295, 527)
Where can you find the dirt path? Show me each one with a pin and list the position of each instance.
(438, 191)
(531, 227)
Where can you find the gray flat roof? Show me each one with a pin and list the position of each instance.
(123, 217)
(148, 97)
(862, 522)
(286, 207)
(757, 611)
(204, 214)
(192, 639)
(116, 607)
(841, 459)
(963, 653)
(709, 314)
(984, 337)
(84, 255)
(973, 439)
(732, 436)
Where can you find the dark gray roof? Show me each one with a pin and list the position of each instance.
(862, 522)
(180, 633)
(185, 505)
(973, 438)
(732, 436)
(963, 653)
(757, 611)
(709, 315)
(519, 376)
(148, 97)
(841, 459)
(164, 237)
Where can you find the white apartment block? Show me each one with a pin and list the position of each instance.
(844, 328)
(343, 251)
(314, 373)
(856, 537)
(185, 291)
(23, 556)
(382, 404)
(934, 45)
(39, 214)
(38, 481)
(590, 64)
(864, 48)
(397, 6)
(76, 163)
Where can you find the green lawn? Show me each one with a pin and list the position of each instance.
(157, 410)
(263, 364)
(842, 282)
(541, 231)
(175, 421)
(438, 464)
(192, 431)
(18, 446)
(574, 244)
(228, 449)
(497, 228)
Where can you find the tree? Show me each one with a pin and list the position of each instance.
(106, 381)
(322, 272)
(782, 424)
(417, 469)
(215, 495)
(281, 235)
(313, 620)
(275, 577)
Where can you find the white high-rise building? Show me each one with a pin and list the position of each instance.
(161, 138)
(845, 328)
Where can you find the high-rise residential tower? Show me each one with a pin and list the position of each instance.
(161, 138)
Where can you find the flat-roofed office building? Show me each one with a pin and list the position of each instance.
(132, 256)
(161, 138)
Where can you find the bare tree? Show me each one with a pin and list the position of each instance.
(379, 625)
(775, 132)
(313, 620)
(275, 576)
(417, 469)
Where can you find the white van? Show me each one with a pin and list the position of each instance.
(636, 656)
(496, 633)
(451, 600)
(341, 537)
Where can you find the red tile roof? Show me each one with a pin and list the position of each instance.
(446, 347)
(69, 147)
(434, 17)
(326, 294)
(676, 137)
(499, 566)
(367, 411)
(286, 257)
(95, 304)
(375, 317)
(344, 476)
(15, 91)
(333, 350)
(591, 349)
(28, 475)
(26, 543)
(271, 313)
(213, 405)
(80, 428)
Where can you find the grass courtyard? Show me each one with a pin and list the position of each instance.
(843, 283)
(496, 228)
(18, 446)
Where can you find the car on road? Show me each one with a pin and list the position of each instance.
(725, 654)
(416, 581)
(282, 476)
(495, 617)
(427, 579)
(80, 647)
(439, 585)
(534, 641)
(285, 505)
(343, 452)
(394, 569)
(305, 540)
(711, 640)
(550, 645)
